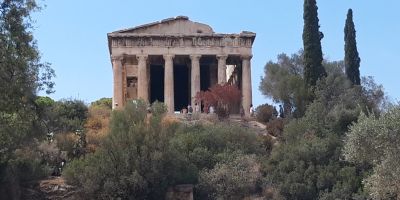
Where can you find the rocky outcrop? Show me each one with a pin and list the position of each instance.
(53, 188)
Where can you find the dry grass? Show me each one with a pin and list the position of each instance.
(169, 120)
(97, 126)
(66, 141)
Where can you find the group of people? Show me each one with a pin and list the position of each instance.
(190, 109)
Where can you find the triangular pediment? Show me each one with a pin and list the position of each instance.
(180, 25)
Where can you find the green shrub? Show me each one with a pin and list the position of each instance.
(143, 155)
(375, 141)
(24, 166)
(70, 115)
(103, 102)
(203, 145)
(134, 162)
(233, 179)
(265, 113)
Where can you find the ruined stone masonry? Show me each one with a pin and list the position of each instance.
(170, 61)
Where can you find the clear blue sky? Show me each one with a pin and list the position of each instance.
(72, 35)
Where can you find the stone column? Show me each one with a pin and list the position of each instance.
(169, 83)
(143, 86)
(246, 84)
(118, 82)
(195, 77)
(222, 68)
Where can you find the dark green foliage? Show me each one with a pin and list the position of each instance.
(205, 146)
(107, 102)
(283, 82)
(134, 162)
(20, 169)
(44, 102)
(209, 150)
(375, 141)
(22, 75)
(70, 115)
(232, 179)
(306, 168)
(313, 69)
(351, 58)
(62, 116)
(143, 156)
(308, 164)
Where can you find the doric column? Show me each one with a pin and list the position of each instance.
(195, 76)
(118, 82)
(222, 68)
(169, 83)
(143, 86)
(246, 84)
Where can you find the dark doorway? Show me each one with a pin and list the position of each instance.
(181, 86)
(204, 77)
(156, 83)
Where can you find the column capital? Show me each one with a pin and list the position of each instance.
(116, 58)
(141, 57)
(168, 56)
(222, 57)
(195, 57)
(246, 56)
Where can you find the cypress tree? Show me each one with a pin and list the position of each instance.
(313, 69)
(351, 58)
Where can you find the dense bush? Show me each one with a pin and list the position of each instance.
(25, 165)
(145, 154)
(205, 146)
(61, 116)
(134, 162)
(265, 113)
(375, 141)
(231, 179)
(308, 163)
(309, 169)
(22, 76)
(211, 149)
(103, 102)
(70, 115)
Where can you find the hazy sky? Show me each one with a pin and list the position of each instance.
(72, 35)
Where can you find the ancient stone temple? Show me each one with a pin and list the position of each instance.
(171, 60)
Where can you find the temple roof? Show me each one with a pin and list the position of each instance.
(180, 25)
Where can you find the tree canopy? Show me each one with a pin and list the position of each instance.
(22, 76)
(374, 141)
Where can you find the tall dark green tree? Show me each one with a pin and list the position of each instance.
(22, 75)
(313, 69)
(351, 58)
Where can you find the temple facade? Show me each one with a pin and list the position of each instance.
(172, 60)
